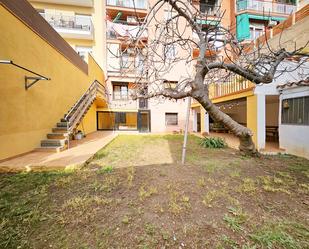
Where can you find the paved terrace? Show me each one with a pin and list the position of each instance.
(78, 153)
(233, 142)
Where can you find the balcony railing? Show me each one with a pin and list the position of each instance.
(73, 23)
(210, 10)
(138, 4)
(233, 84)
(265, 6)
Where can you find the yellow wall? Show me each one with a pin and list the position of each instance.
(89, 122)
(79, 42)
(252, 116)
(26, 116)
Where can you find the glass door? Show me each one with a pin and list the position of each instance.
(144, 121)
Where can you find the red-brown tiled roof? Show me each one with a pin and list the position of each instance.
(304, 82)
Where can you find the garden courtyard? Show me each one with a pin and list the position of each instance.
(135, 193)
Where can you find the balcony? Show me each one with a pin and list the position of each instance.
(127, 64)
(121, 30)
(138, 4)
(78, 26)
(232, 85)
(266, 7)
(209, 9)
(84, 3)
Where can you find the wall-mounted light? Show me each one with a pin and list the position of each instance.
(286, 104)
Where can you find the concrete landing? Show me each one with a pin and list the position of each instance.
(78, 153)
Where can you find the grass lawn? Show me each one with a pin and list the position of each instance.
(135, 194)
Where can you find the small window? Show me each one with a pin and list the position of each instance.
(124, 60)
(295, 111)
(171, 118)
(170, 51)
(120, 91)
(170, 84)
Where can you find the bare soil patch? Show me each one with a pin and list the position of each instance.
(135, 194)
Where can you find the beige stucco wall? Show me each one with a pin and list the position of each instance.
(294, 36)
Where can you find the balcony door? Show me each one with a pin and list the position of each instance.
(144, 121)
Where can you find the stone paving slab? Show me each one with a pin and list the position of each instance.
(78, 153)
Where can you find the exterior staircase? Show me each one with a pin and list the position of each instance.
(58, 139)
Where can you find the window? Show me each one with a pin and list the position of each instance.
(169, 14)
(124, 60)
(170, 51)
(171, 118)
(116, 120)
(256, 30)
(170, 84)
(120, 91)
(295, 111)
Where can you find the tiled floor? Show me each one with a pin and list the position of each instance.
(233, 142)
(78, 153)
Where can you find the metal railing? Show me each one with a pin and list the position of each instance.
(209, 9)
(231, 84)
(77, 112)
(33, 79)
(266, 6)
(138, 4)
(82, 23)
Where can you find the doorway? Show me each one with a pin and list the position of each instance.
(198, 122)
(144, 121)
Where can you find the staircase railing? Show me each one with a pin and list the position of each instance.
(76, 113)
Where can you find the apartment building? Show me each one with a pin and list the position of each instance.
(79, 22)
(254, 16)
(153, 115)
(102, 28)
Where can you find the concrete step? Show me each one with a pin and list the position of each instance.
(59, 130)
(57, 135)
(51, 148)
(62, 124)
(53, 142)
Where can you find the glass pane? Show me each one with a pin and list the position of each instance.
(306, 111)
(106, 120)
(127, 121)
(300, 116)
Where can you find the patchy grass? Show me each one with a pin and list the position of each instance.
(282, 234)
(235, 219)
(136, 194)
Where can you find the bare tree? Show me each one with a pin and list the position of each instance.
(220, 56)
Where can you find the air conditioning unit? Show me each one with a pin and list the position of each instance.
(131, 19)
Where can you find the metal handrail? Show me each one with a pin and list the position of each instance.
(68, 21)
(78, 101)
(78, 109)
(34, 79)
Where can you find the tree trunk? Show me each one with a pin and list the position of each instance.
(244, 134)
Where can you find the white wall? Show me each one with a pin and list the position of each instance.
(158, 110)
(294, 138)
